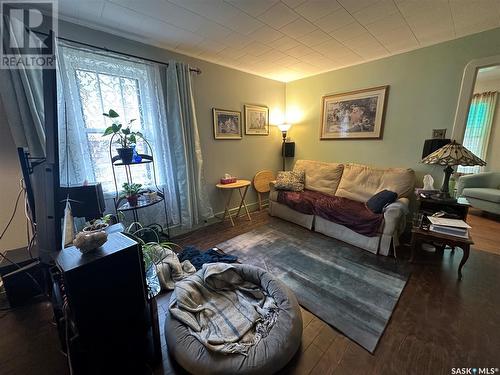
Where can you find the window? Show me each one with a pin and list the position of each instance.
(478, 128)
(93, 84)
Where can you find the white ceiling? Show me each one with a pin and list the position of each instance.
(286, 39)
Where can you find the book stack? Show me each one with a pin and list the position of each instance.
(449, 227)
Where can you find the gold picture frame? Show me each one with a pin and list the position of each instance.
(227, 124)
(256, 120)
(354, 115)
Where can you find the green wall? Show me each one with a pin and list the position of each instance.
(423, 94)
(218, 87)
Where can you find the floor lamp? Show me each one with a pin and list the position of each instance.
(284, 128)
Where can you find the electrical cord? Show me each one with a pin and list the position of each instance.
(13, 213)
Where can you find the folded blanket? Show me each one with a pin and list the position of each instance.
(170, 269)
(223, 311)
(199, 258)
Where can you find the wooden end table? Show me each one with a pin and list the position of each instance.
(419, 235)
(238, 185)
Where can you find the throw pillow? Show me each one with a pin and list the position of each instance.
(290, 180)
(377, 202)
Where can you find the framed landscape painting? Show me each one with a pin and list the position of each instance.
(354, 115)
(256, 120)
(227, 124)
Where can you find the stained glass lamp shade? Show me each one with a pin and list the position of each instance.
(449, 155)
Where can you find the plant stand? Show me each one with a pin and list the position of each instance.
(121, 204)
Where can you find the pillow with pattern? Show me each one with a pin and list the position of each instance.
(290, 180)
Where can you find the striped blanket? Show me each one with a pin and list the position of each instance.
(223, 311)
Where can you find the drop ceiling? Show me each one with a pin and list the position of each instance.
(286, 39)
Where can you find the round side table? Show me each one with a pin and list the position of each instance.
(242, 187)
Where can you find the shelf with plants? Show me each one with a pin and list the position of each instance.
(132, 196)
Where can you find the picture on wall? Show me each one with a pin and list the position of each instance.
(256, 120)
(354, 115)
(227, 124)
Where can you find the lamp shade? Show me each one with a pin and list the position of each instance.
(284, 127)
(453, 154)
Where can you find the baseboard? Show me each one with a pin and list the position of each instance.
(176, 230)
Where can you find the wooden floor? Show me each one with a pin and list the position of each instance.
(439, 323)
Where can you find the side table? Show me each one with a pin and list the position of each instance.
(419, 235)
(242, 187)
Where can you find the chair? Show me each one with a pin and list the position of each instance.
(482, 190)
(261, 184)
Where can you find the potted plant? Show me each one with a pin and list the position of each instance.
(131, 192)
(98, 224)
(127, 138)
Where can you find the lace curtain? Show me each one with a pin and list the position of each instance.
(478, 128)
(91, 83)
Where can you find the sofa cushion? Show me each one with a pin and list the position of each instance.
(321, 176)
(291, 180)
(360, 182)
(380, 200)
(485, 194)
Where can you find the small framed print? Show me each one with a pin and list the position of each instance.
(354, 115)
(227, 124)
(438, 133)
(256, 120)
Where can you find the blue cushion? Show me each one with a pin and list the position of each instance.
(380, 200)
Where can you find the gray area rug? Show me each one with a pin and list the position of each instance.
(347, 287)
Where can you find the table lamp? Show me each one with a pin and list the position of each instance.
(450, 155)
(284, 129)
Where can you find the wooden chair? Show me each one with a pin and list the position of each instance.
(261, 184)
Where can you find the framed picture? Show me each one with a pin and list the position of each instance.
(256, 120)
(227, 124)
(438, 133)
(354, 115)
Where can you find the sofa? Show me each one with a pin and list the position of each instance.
(482, 190)
(359, 183)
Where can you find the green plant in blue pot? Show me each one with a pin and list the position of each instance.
(126, 137)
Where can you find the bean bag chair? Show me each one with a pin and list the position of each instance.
(268, 356)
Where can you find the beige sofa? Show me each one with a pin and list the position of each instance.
(359, 183)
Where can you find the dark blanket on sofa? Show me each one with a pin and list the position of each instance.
(302, 201)
(352, 214)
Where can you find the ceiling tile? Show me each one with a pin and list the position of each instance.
(353, 6)
(236, 40)
(293, 3)
(266, 34)
(216, 10)
(315, 9)
(298, 28)
(299, 51)
(334, 20)
(278, 16)
(253, 7)
(163, 10)
(375, 12)
(256, 48)
(243, 23)
(347, 32)
(314, 38)
(212, 30)
(284, 43)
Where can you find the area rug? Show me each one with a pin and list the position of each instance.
(347, 287)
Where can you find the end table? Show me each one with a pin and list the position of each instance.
(238, 185)
(419, 235)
